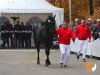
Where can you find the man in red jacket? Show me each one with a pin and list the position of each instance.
(83, 34)
(65, 34)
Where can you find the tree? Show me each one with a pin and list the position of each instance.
(80, 8)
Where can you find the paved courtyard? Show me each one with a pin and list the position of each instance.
(23, 62)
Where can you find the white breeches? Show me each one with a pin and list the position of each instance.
(65, 53)
(82, 45)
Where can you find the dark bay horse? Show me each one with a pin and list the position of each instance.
(45, 35)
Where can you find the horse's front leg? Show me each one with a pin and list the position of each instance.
(47, 59)
(38, 51)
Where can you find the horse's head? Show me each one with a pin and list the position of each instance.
(50, 26)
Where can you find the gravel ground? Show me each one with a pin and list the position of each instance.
(23, 62)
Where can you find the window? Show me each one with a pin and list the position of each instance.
(35, 21)
(2, 20)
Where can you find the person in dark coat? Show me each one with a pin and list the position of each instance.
(22, 35)
(96, 32)
(4, 35)
(17, 29)
(10, 29)
(28, 33)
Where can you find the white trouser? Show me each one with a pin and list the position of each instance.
(82, 45)
(99, 34)
(65, 53)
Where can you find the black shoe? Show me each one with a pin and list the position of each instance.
(2, 46)
(78, 56)
(61, 65)
(84, 60)
(65, 66)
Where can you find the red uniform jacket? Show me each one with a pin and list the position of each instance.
(83, 32)
(65, 34)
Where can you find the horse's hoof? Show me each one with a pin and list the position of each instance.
(49, 63)
(38, 62)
